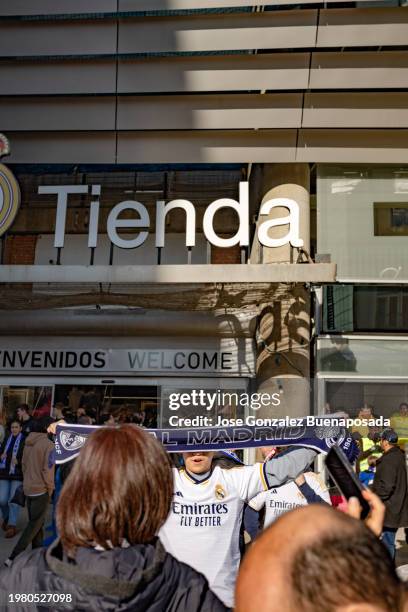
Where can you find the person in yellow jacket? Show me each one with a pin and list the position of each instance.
(399, 423)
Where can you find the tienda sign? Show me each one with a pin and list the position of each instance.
(142, 219)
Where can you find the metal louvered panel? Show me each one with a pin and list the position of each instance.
(280, 71)
(236, 146)
(362, 27)
(209, 112)
(63, 77)
(354, 110)
(277, 30)
(359, 70)
(55, 7)
(163, 5)
(198, 33)
(70, 113)
(62, 147)
(32, 38)
(223, 111)
(353, 146)
(214, 73)
(233, 146)
(77, 7)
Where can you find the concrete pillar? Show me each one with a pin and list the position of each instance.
(283, 331)
(287, 181)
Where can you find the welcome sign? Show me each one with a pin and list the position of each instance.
(110, 356)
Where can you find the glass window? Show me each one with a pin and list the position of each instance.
(367, 400)
(362, 221)
(357, 356)
(365, 308)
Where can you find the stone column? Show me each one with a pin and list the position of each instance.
(283, 331)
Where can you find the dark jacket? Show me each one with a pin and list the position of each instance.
(18, 473)
(26, 426)
(390, 484)
(139, 578)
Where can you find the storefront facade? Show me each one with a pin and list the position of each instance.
(106, 303)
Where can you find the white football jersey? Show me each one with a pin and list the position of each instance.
(203, 526)
(279, 500)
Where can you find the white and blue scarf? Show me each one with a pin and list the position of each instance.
(70, 438)
(16, 446)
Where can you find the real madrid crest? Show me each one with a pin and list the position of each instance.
(9, 190)
(220, 491)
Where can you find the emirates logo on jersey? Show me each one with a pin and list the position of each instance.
(219, 491)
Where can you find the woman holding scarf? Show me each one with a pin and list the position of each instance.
(11, 477)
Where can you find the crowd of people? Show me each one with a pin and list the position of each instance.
(90, 413)
(140, 529)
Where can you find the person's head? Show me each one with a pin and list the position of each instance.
(107, 419)
(388, 439)
(68, 415)
(366, 412)
(317, 558)
(59, 410)
(41, 425)
(81, 412)
(268, 451)
(371, 460)
(403, 409)
(15, 428)
(120, 488)
(198, 462)
(23, 412)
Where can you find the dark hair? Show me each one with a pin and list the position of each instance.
(344, 569)
(104, 418)
(40, 425)
(68, 415)
(120, 487)
(23, 407)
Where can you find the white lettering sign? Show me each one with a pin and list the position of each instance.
(142, 220)
(123, 361)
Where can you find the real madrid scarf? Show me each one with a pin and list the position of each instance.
(70, 438)
(16, 446)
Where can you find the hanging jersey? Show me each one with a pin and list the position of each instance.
(279, 500)
(203, 526)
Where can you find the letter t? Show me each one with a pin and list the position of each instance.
(62, 191)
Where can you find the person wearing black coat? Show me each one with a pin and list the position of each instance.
(11, 477)
(143, 577)
(390, 484)
(108, 556)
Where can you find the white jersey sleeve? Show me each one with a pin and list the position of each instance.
(248, 480)
(316, 483)
(258, 502)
